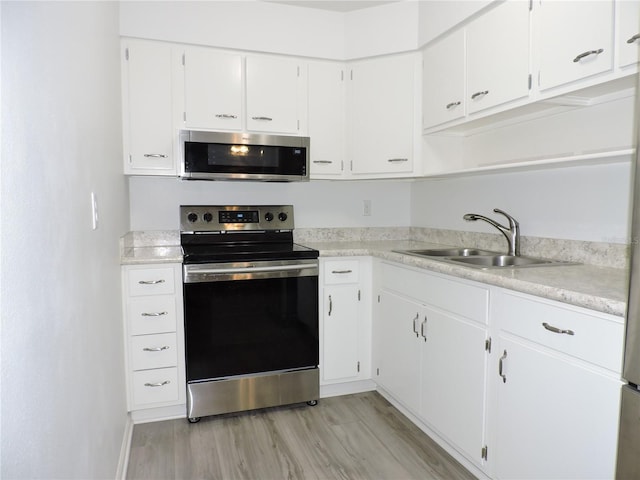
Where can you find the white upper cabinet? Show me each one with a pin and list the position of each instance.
(628, 34)
(148, 115)
(381, 114)
(498, 56)
(443, 95)
(326, 118)
(575, 40)
(213, 90)
(273, 94)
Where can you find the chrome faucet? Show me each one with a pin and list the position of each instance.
(512, 234)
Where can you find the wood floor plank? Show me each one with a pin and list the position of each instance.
(353, 437)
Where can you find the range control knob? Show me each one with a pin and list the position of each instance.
(192, 217)
(282, 216)
(268, 216)
(208, 217)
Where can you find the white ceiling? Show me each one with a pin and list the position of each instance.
(335, 5)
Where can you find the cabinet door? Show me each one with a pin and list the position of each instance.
(398, 354)
(213, 90)
(341, 333)
(326, 118)
(453, 354)
(554, 417)
(576, 40)
(272, 94)
(628, 34)
(381, 115)
(498, 56)
(147, 109)
(443, 80)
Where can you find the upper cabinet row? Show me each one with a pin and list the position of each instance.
(521, 52)
(170, 87)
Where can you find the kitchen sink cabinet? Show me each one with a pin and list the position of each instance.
(382, 118)
(497, 53)
(327, 104)
(149, 123)
(575, 40)
(628, 32)
(345, 331)
(431, 338)
(556, 393)
(154, 340)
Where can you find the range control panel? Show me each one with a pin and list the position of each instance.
(221, 218)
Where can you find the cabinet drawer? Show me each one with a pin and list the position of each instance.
(155, 386)
(151, 281)
(153, 351)
(152, 315)
(469, 301)
(590, 337)
(340, 271)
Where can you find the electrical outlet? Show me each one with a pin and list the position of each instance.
(366, 208)
(94, 211)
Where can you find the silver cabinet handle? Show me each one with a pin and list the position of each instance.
(634, 38)
(393, 160)
(452, 105)
(265, 119)
(330, 305)
(154, 314)
(479, 94)
(422, 328)
(553, 329)
(157, 384)
(155, 349)
(155, 155)
(150, 282)
(415, 325)
(502, 358)
(323, 161)
(226, 115)
(341, 271)
(587, 53)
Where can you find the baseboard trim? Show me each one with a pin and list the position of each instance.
(125, 449)
(347, 388)
(159, 414)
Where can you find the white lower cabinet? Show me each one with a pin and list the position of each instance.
(557, 390)
(345, 331)
(154, 337)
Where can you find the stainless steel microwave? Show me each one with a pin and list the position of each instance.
(244, 156)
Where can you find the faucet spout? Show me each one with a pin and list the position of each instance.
(511, 233)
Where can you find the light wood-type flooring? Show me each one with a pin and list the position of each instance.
(359, 436)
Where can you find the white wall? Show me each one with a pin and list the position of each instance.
(63, 391)
(155, 201)
(438, 16)
(576, 203)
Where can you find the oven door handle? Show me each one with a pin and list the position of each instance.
(273, 268)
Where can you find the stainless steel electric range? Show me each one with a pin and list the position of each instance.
(250, 309)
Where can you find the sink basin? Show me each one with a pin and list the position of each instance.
(447, 252)
(493, 261)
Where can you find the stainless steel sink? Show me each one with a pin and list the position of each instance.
(476, 258)
(447, 252)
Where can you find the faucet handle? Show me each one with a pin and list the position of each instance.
(512, 221)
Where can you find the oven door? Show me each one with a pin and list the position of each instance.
(250, 318)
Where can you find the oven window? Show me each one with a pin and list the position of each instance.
(250, 326)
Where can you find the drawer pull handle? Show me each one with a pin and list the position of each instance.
(500, 365)
(324, 162)
(154, 314)
(155, 349)
(150, 282)
(155, 155)
(479, 94)
(226, 115)
(422, 328)
(264, 119)
(452, 105)
(634, 38)
(587, 53)
(330, 305)
(553, 329)
(415, 325)
(341, 271)
(157, 384)
(397, 160)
